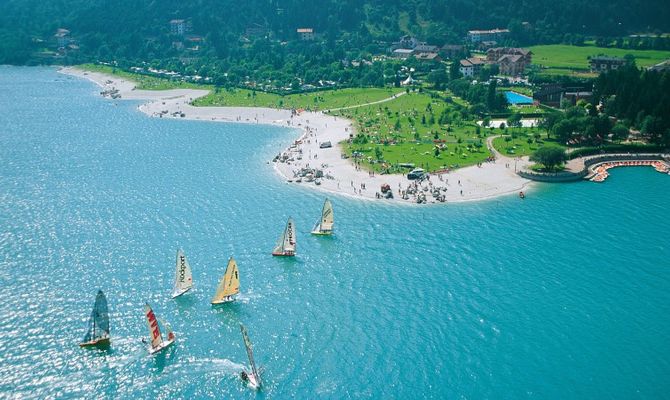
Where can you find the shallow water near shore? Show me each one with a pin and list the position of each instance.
(561, 295)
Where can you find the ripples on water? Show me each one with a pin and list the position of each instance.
(561, 295)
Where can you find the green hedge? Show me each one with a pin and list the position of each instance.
(617, 148)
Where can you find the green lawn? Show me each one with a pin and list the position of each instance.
(414, 141)
(322, 100)
(518, 145)
(566, 59)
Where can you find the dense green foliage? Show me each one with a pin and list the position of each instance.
(640, 99)
(139, 30)
(549, 156)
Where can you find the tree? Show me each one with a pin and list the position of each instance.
(620, 131)
(378, 153)
(514, 120)
(549, 156)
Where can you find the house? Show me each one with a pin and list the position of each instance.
(305, 34)
(452, 50)
(511, 60)
(477, 36)
(62, 38)
(425, 48)
(407, 42)
(471, 66)
(428, 56)
(550, 94)
(605, 63)
(178, 27)
(402, 53)
(494, 54)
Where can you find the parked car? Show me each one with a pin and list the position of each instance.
(417, 173)
(325, 145)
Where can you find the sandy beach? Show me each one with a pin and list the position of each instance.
(324, 168)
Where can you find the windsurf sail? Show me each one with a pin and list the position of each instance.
(183, 278)
(229, 284)
(98, 323)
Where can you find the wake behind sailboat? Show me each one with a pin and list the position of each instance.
(183, 277)
(98, 324)
(325, 225)
(229, 285)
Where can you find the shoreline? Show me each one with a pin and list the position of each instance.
(340, 175)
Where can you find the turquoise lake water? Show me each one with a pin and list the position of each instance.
(516, 98)
(565, 294)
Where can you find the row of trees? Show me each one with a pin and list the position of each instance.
(639, 99)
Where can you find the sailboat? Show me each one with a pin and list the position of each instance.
(286, 243)
(183, 281)
(98, 324)
(253, 377)
(325, 225)
(229, 285)
(157, 343)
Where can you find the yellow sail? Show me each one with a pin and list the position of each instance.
(229, 284)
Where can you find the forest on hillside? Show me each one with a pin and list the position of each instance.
(139, 29)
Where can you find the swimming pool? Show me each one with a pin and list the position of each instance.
(516, 98)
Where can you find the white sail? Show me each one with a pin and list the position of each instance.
(287, 241)
(255, 377)
(325, 224)
(229, 284)
(154, 329)
(183, 276)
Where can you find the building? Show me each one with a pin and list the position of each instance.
(494, 54)
(178, 27)
(305, 33)
(471, 66)
(605, 63)
(425, 48)
(62, 38)
(428, 56)
(496, 35)
(407, 42)
(403, 53)
(511, 60)
(452, 51)
(550, 94)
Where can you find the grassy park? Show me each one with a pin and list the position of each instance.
(558, 59)
(408, 130)
(321, 100)
(518, 142)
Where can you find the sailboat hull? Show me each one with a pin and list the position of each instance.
(102, 342)
(227, 299)
(176, 294)
(285, 254)
(322, 233)
(252, 381)
(161, 347)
